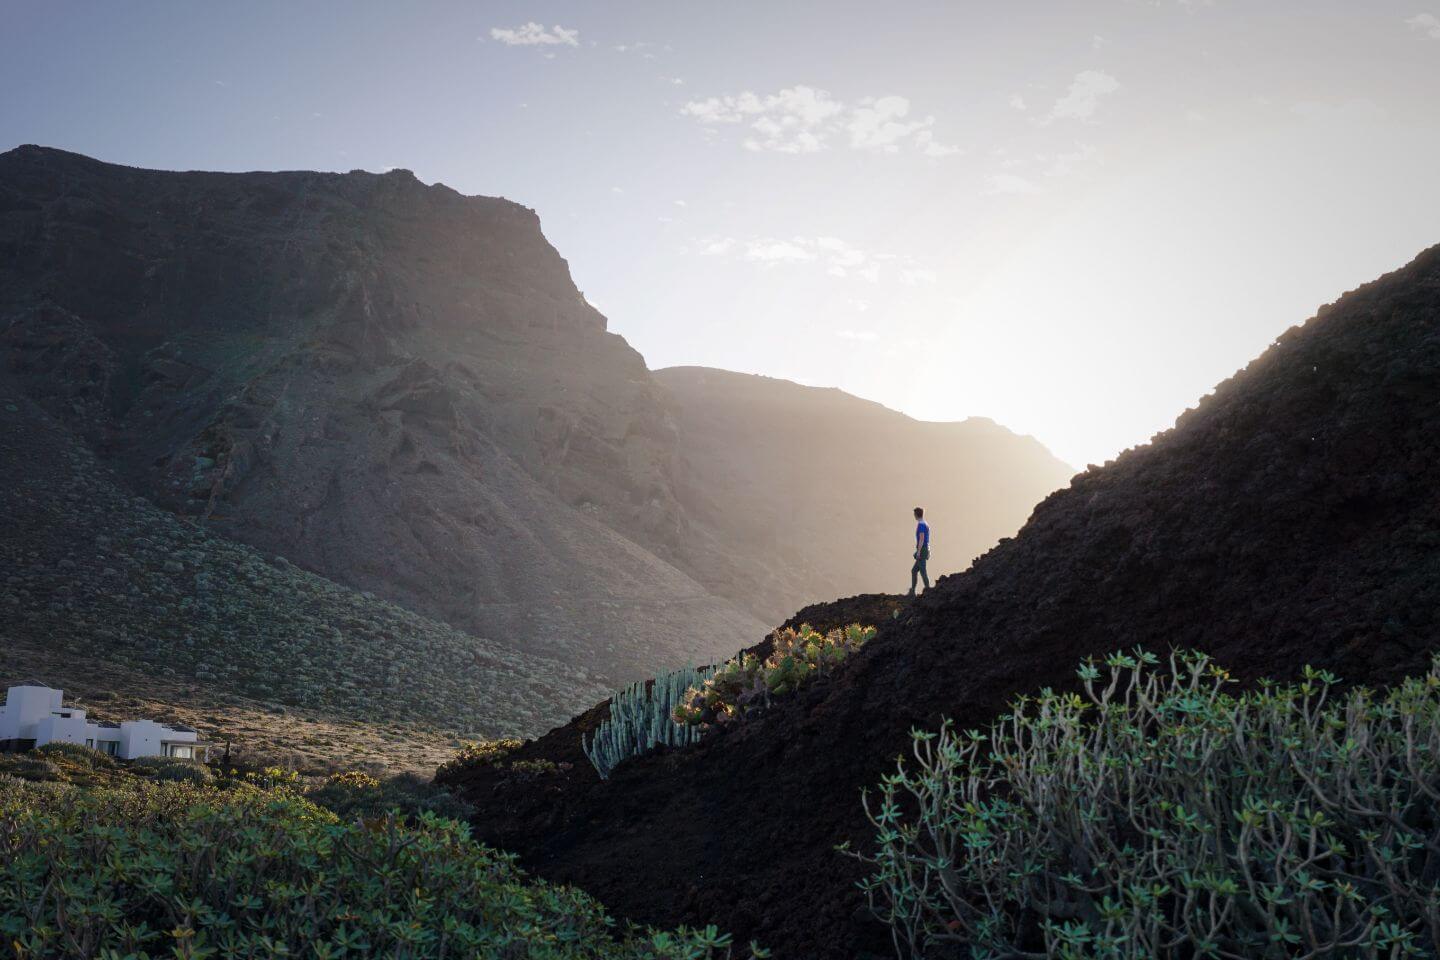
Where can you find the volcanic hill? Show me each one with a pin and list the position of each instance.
(1291, 518)
(398, 389)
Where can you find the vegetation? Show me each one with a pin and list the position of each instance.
(1159, 815)
(108, 579)
(177, 869)
(483, 753)
(746, 682)
(642, 717)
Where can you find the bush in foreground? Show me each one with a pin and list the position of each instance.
(180, 870)
(1159, 815)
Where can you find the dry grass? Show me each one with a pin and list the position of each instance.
(259, 733)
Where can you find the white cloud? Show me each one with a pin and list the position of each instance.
(880, 123)
(864, 336)
(803, 119)
(1017, 101)
(1010, 183)
(681, 203)
(617, 190)
(913, 276)
(533, 34)
(716, 246)
(777, 251)
(1426, 23)
(927, 144)
(1064, 164)
(838, 257)
(1083, 97)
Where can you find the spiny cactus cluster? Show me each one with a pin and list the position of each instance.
(746, 682)
(642, 718)
(1159, 816)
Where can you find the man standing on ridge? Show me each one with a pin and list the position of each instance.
(922, 550)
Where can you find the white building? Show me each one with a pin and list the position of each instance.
(35, 716)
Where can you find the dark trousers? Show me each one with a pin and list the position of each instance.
(919, 569)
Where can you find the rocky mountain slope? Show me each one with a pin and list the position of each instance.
(400, 389)
(811, 489)
(96, 576)
(389, 384)
(1290, 518)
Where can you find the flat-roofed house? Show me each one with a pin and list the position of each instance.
(34, 716)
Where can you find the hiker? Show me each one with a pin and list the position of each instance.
(922, 550)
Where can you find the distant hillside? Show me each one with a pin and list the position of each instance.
(100, 583)
(807, 492)
(1291, 518)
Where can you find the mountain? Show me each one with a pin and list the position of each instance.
(400, 390)
(1290, 518)
(94, 576)
(391, 385)
(807, 492)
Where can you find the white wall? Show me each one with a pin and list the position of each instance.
(24, 708)
(34, 713)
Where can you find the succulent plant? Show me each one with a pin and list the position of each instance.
(1158, 815)
(642, 717)
(744, 683)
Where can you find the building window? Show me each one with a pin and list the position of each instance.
(111, 747)
(90, 743)
(183, 753)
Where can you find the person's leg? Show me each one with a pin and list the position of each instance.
(914, 572)
(924, 576)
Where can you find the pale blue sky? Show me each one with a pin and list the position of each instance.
(1071, 217)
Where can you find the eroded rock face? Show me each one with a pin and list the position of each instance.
(387, 383)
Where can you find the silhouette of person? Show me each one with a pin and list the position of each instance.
(922, 550)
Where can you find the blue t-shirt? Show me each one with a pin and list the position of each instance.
(922, 529)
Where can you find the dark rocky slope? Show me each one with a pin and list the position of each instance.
(808, 491)
(1291, 518)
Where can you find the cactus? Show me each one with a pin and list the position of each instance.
(642, 718)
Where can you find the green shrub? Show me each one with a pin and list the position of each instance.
(642, 717)
(76, 753)
(354, 794)
(745, 682)
(1159, 815)
(179, 870)
(173, 769)
(481, 753)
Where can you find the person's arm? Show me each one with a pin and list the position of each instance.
(919, 539)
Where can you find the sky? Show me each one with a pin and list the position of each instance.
(1073, 217)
